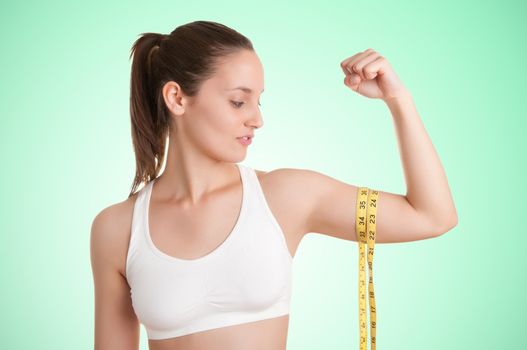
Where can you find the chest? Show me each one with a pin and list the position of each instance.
(210, 265)
(194, 233)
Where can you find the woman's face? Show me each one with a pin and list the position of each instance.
(224, 109)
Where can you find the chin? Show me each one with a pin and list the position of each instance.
(231, 158)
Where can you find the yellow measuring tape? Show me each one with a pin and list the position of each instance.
(365, 222)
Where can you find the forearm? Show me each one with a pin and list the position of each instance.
(427, 186)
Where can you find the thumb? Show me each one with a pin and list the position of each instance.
(352, 81)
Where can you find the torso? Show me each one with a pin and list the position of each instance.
(265, 334)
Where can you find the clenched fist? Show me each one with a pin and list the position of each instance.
(369, 74)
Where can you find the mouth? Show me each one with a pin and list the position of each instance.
(245, 140)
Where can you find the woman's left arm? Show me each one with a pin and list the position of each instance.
(427, 186)
(370, 74)
(427, 210)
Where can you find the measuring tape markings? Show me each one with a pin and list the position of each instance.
(366, 212)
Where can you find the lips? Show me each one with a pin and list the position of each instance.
(246, 141)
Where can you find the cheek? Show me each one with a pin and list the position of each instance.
(214, 128)
(214, 122)
(222, 119)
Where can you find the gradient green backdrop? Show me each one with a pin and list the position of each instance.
(66, 154)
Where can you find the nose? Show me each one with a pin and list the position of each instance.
(256, 121)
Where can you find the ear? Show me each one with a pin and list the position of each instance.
(174, 98)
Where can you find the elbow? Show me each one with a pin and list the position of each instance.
(447, 225)
(453, 220)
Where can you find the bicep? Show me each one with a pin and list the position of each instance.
(116, 325)
(333, 212)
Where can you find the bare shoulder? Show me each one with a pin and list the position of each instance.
(110, 233)
(116, 324)
(286, 176)
(293, 181)
(260, 173)
(284, 189)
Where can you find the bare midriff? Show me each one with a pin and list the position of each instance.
(268, 334)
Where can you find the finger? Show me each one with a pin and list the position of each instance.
(359, 66)
(375, 67)
(345, 64)
(356, 58)
(352, 81)
(355, 79)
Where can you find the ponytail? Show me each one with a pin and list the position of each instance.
(149, 124)
(188, 55)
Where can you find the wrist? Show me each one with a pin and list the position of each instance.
(402, 96)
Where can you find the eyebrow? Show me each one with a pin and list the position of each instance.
(243, 88)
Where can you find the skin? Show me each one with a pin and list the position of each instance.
(194, 204)
(188, 215)
(203, 146)
(200, 181)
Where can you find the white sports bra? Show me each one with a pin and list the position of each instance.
(245, 279)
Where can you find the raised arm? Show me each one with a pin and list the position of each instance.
(427, 210)
(370, 74)
(329, 208)
(427, 186)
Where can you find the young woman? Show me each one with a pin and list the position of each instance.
(202, 253)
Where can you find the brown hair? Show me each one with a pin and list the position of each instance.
(189, 55)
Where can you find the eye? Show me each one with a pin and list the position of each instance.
(239, 104)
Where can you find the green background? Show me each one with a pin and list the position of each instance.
(66, 154)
